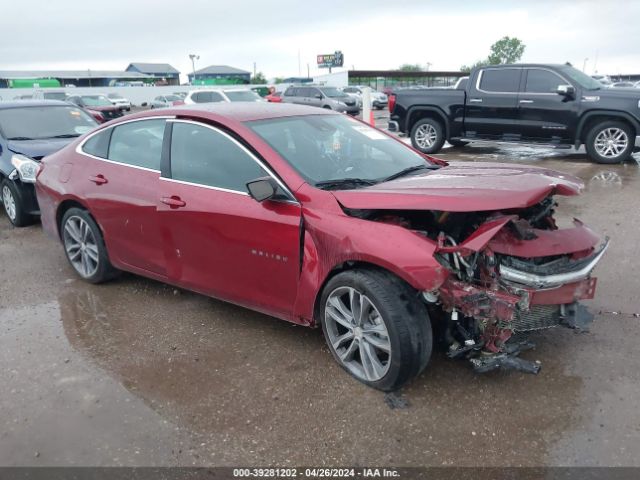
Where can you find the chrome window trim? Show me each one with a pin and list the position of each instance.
(498, 93)
(102, 130)
(266, 168)
(524, 92)
(191, 184)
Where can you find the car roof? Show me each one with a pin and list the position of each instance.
(33, 103)
(238, 111)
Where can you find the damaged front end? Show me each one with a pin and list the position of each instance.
(511, 273)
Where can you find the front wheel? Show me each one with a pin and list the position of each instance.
(427, 135)
(376, 328)
(13, 206)
(610, 142)
(84, 246)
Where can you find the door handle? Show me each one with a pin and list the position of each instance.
(526, 101)
(475, 100)
(98, 179)
(173, 201)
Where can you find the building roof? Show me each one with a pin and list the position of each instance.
(69, 74)
(221, 70)
(153, 68)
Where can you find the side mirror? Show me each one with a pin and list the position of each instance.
(566, 90)
(318, 96)
(261, 189)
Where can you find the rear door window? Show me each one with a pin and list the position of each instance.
(98, 145)
(206, 156)
(503, 80)
(138, 144)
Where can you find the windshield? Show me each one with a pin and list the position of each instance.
(333, 92)
(243, 96)
(115, 96)
(582, 79)
(54, 95)
(172, 98)
(96, 101)
(323, 148)
(44, 122)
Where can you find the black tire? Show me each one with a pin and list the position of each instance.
(594, 151)
(435, 131)
(104, 270)
(16, 214)
(327, 107)
(458, 143)
(404, 316)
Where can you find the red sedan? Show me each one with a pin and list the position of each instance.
(319, 219)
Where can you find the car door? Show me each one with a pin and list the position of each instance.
(120, 175)
(544, 115)
(219, 240)
(492, 104)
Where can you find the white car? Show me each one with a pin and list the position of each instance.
(222, 95)
(378, 99)
(119, 101)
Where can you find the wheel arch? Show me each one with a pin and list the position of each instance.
(352, 265)
(67, 204)
(592, 118)
(417, 113)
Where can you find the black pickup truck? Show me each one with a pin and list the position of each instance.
(553, 105)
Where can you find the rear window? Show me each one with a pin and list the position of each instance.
(138, 143)
(504, 80)
(207, 97)
(243, 96)
(290, 92)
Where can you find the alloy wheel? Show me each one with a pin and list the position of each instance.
(9, 202)
(611, 142)
(81, 246)
(358, 334)
(426, 135)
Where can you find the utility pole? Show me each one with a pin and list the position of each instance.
(584, 64)
(193, 58)
(299, 71)
(308, 71)
(254, 69)
(428, 66)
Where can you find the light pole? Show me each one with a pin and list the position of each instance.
(584, 65)
(193, 58)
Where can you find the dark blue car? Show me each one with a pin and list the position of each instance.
(30, 130)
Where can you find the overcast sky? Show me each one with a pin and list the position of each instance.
(372, 34)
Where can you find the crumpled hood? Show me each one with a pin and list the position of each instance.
(37, 149)
(464, 187)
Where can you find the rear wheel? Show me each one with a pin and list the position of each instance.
(610, 142)
(427, 135)
(13, 206)
(376, 328)
(84, 246)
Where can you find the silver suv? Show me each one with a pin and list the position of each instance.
(324, 97)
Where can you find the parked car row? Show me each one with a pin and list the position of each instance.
(310, 216)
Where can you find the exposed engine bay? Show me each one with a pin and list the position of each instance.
(512, 272)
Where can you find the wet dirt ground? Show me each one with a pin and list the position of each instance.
(135, 372)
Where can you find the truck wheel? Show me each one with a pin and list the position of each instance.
(609, 142)
(376, 328)
(427, 135)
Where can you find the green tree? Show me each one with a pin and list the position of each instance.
(506, 50)
(479, 63)
(258, 79)
(278, 80)
(409, 67)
